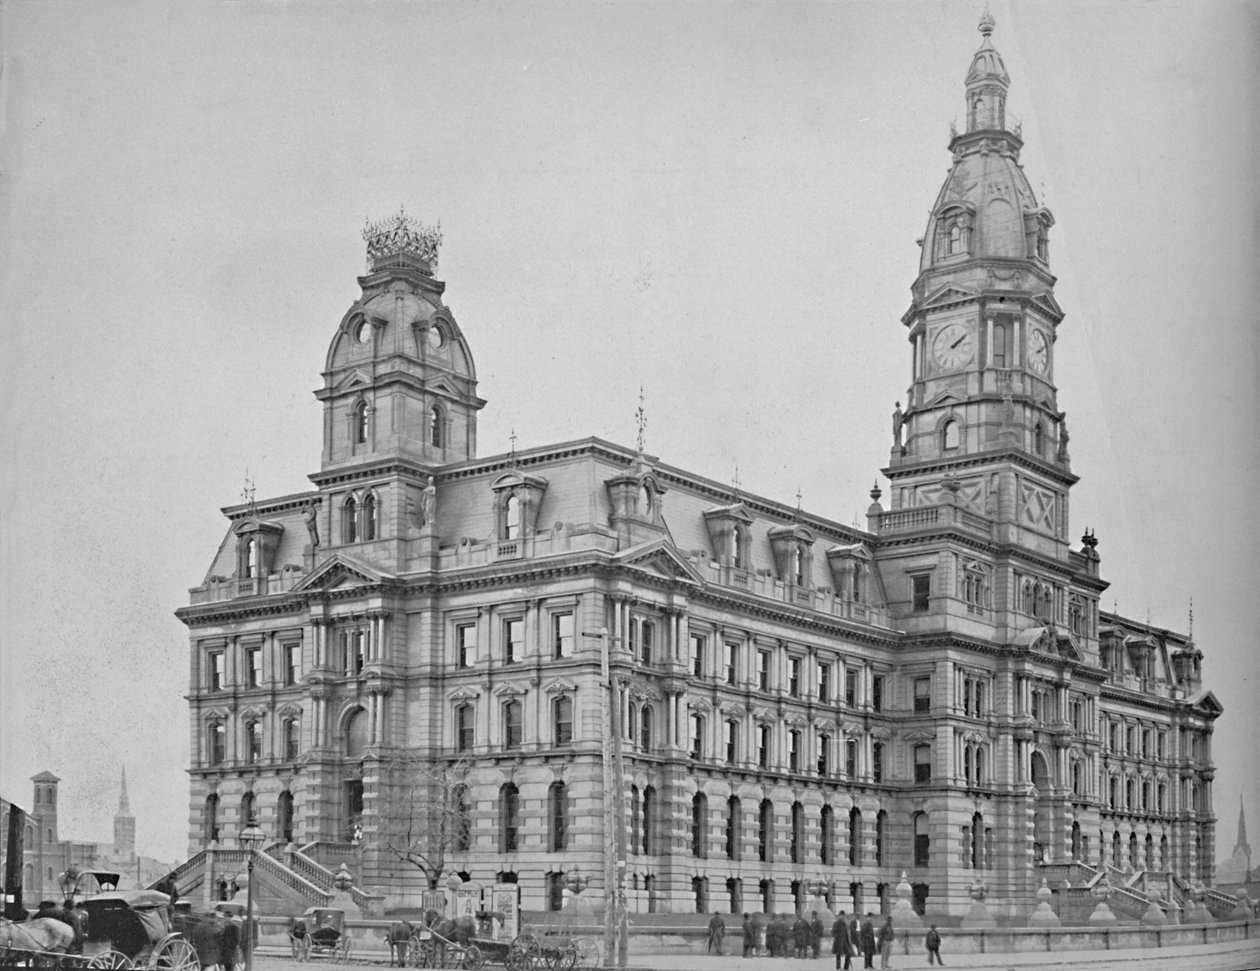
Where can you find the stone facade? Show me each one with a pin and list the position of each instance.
(798, 702)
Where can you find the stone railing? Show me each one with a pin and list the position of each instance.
(926, 517)
(229, 588)
(278, 872)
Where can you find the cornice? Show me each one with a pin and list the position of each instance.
(1014, 456)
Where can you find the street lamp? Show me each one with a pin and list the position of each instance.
(251, 838)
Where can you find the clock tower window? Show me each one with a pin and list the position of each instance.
(1001, 341)
(350, 521)
(369, 516)
(437, 421)
(359, 423)
(951, 434)
(1038, 439)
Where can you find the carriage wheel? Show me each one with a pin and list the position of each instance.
(342, 951)
(420, 954)
(563, 957)
(473, 959)
(173, 953)
(587, 953)
(111, 961)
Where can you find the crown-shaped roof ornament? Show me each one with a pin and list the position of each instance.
(987, 23)
(401, 235)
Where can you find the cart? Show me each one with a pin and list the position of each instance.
(319, 932)
(429, 949)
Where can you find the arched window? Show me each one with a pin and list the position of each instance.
(999, 345)
(881, 836)
(797, 849)
(350, 521)
(557, 816)
(765, 831)
(437, 421)
(513, 724)
(699, 824)
(251, 559)
(922, 839)
(512, 517)
(798, 567)
(1038, 439)
(210, 818)
(737, 547)
(463, 817)
(855, 837)
(247, 809)
(509, 815)
(284, 816)
(636, 817)
(562, 721)
(649, 820)
(645, 728)
(733, 841)
(216, 739)
(951, 434)
(827, 832)
(955, 239)
(359, 423)
(369, 516)
(355, 734)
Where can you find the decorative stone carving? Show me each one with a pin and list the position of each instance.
(1044, 915)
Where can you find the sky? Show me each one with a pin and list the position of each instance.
(716, 202)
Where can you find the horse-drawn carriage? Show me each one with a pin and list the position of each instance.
(125, 930)
(320, 932)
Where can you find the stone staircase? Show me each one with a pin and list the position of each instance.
(1131, 893)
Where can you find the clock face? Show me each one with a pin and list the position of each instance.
(953, 346)
(1038, 351)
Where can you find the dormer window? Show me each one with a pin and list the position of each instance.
(251, 560)
(798, 566)
(359, 423)
(737, 548)
(792, 546)
(512, 517)
(955, 239)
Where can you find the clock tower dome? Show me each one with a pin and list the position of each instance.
(981, 428)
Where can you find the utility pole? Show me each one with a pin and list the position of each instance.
(623, 929)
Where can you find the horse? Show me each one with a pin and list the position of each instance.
(398, 937)
(73, 917)
(216, 939)
(458, 931)
(37, 934)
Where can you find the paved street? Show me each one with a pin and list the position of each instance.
(1228, 956)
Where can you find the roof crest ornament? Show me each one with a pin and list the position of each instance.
(247, 494)
(640, 418)
(401, 235)
(987, 23)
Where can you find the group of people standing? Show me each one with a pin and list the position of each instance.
(849, 938)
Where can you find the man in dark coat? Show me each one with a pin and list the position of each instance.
(772, 937)
(750, 935)
(868, 941)
(717, 930)
(816, 934)
(840, 944)
(800, 937)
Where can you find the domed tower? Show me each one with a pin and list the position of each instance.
(981, 428)
(399, 382)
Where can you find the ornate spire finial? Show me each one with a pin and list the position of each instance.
(798, 502)
(735, 481)
(640, 418)
(512, 454)
(401, 236)
(247, 494)
(1190, 633)
(987, 23)
(876, 492)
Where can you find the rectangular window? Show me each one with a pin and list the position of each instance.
(850, 687)
(850, 758)
(253, 742)
(920, 592)
(732, 742)
(218, 670)
(923, 763)
(877, 761)
(216, 743)
(732, 663)
(823, 754)
(292, 663)
(513, 724)
(292, 739)
(513, 640)
(466, 645)
(641, 635)
(794, 676)
(352, 646)
(794, 751)
(1112, 736)
(824, 683)
(464, 728)
(877, 692)
(697, 656)
(563, 729)
(763, 746)
(253, 667)
(922, 694)
(562, 635)
(697, 736)
(763, 670)
(1146, 743)
(1160, 746)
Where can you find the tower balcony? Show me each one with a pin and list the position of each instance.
(928, 518)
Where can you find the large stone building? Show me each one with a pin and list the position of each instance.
(800, 701)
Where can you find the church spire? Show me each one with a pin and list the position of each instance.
(987, 83)
(124, 808)
(1242, 829)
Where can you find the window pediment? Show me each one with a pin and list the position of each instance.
(509, 690)
(560, 687)
(463, 694)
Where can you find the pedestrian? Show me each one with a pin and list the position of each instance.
(750, 935)
(800, 937)
(868, 941)
(933, 944)
(717, 930)
(886, 936)
(840, 945)
(772, 937)
(816, 935)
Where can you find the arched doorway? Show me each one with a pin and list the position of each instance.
(1042, 828)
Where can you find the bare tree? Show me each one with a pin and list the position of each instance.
(424, 812)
